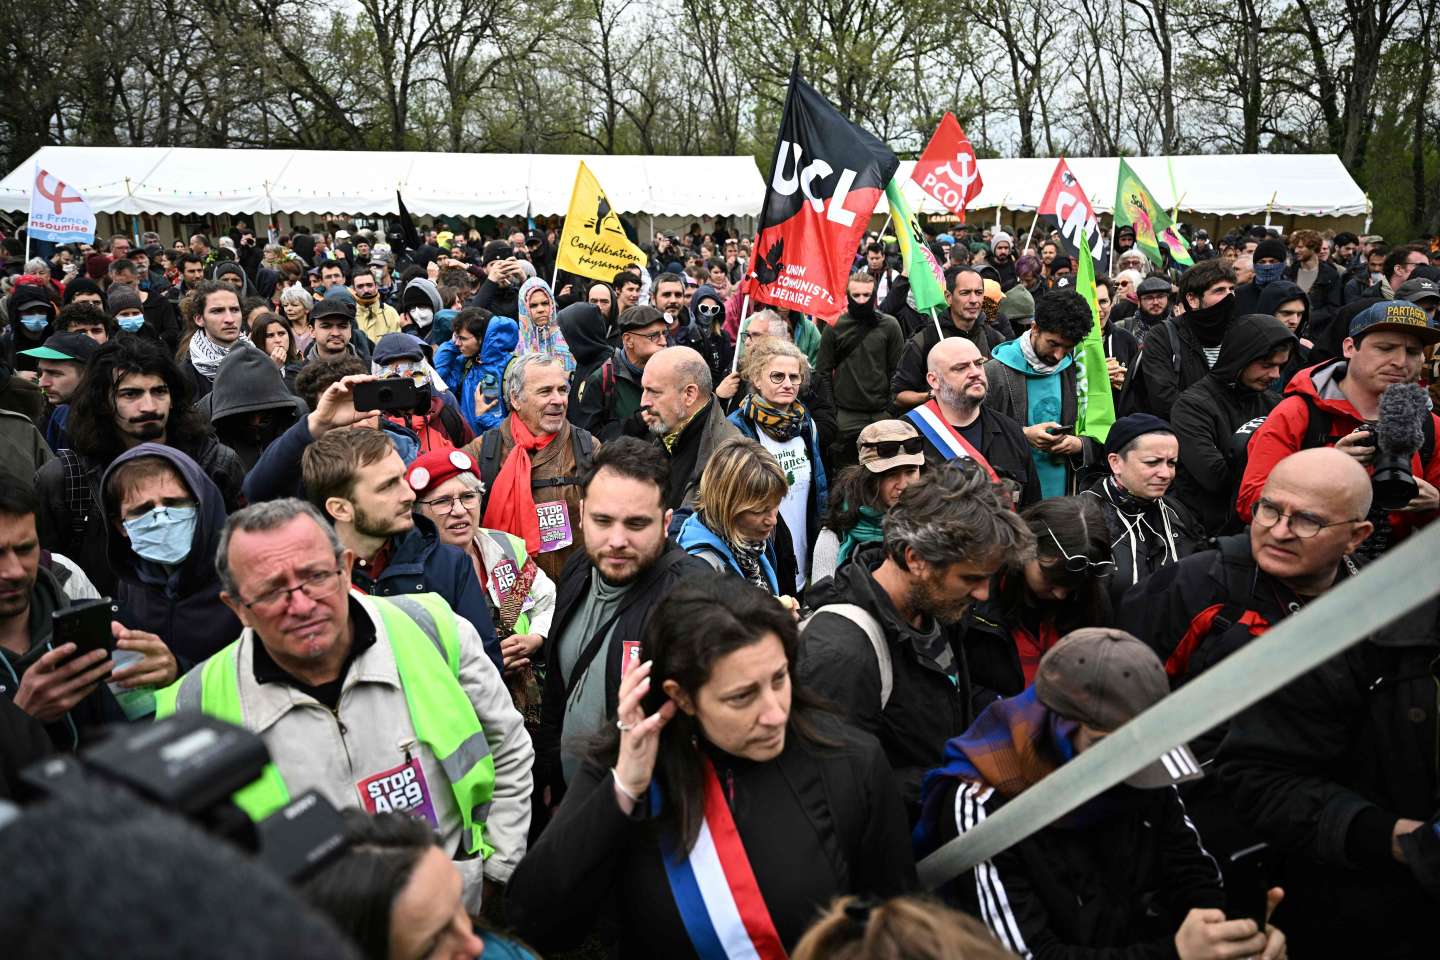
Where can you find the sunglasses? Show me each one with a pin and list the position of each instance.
(890, 448)
(709, 309)
(1082, 564)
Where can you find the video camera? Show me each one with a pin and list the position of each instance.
(191, 765)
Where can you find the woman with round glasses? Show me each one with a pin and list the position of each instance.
(1148, 529)
(892, 454)
(1035, 602)
(772, 413)
(522, 598)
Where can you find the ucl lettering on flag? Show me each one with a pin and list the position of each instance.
(825, 179)
(58, 212)
(948, 169)
(1066, 208)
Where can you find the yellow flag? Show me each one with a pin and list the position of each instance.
(593, 243)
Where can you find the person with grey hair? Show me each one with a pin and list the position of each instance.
(884, 642)
(295, 303)
(531, 463)
(678, 406)
(351, 700)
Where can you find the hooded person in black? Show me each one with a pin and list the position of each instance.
(1252, 355)
(178, 601)
(583, 326)
(1283, 294)
(705, 332)
(249, 404)
(303, 246)
(857, 355)
(229, 267)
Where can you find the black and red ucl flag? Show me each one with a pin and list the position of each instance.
(1066, 209)
(825, 181)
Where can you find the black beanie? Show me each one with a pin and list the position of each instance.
(1126, 429)
(1271, 247)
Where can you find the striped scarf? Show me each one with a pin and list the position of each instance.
(780, 424)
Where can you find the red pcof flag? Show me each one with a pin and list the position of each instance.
(825, 180)
(948, 170)
(1066, 208)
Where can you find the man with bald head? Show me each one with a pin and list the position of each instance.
(677, 403)
(965, 294)
(1307, 521)
(956, 424)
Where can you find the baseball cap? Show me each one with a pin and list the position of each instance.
(1105, 678)
(1401, 316)
(639, 316)
(1417, 288)
(1153, 285)
(74, 347)
(342, 235)
(332, 307)
(890, 443)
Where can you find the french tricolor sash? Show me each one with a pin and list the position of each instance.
(714, 888)
(945, 438)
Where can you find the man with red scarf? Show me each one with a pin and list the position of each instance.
(532, 462)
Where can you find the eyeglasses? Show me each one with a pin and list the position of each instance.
(778, 378)
(1303, 525)
(467, 500)
(886, 449)
(655, 337)
(1082, 564)
(316, 587)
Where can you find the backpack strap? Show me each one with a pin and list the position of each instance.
(1172, 335)
(78, 498)
(607, 383)
(862, 618)
(489, 458)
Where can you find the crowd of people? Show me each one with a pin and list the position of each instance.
(634, 617)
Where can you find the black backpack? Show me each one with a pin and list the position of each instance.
(582, 445)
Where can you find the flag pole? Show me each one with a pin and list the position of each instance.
(740, 334)
(1112, 244)
(936, 317)
(1032, 231)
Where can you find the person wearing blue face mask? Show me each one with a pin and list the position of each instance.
(1270, 259)
(125, 306)
(163, 518)
(32, 318)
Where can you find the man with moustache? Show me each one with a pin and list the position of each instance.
(884, 641)
(357, 478)
(604, 600)
(131, 393)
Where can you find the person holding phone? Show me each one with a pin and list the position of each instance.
(62, 684)
(1035, 381)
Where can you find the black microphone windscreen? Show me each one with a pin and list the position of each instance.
(1401, 427)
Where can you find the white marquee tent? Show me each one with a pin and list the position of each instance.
(186, 180)
(1314, 185)
(174, 180)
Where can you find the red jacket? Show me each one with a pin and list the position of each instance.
(1283, 433)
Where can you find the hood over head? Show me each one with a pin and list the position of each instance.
(1283, 291)
(246, 381)
(198, 567)
(303, 246)
(526, 288)
(703, 292)
(584, 328)
(1249, 338)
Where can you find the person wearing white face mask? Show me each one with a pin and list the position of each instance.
(163, 518)
(419, 303)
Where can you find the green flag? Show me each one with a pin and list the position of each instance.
(1136, 207)
(927, 280)
(1097, 403)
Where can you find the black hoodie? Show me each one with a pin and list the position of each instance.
(583, 326)
(179, 604)
(249, 382)
(1209, 412)
(1275, 294)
